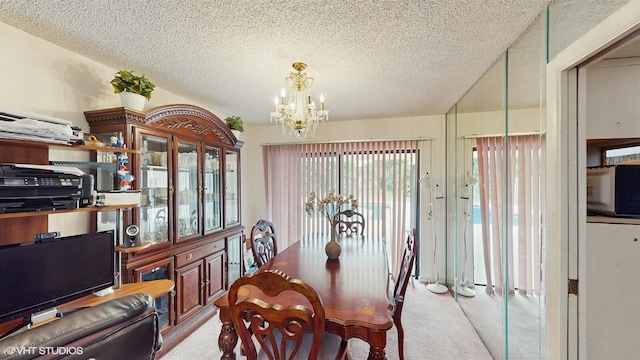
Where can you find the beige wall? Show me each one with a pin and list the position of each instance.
(40, 77)
(43, 78)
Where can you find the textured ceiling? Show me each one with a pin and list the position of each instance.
(568, 21)
(370, 59)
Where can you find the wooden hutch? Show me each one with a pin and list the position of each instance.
(187, 167)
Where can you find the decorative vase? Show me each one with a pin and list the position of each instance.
(132, 101)
(236, 133)
(332, 248)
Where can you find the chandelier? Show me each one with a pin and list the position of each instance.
(298, 114)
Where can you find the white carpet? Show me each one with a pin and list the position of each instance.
(524, 316)
(435, 328)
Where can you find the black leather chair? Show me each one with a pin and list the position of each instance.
(123, 328)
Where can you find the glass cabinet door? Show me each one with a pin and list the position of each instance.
(212, 190)
(154, 187)
(187, 190)
(234, 257)
(232, 213)
(159, 270)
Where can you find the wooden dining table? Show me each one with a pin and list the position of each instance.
(353, 288)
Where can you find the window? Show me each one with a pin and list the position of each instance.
(381, 175)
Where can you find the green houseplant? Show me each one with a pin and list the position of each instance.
(126, 81)
(234, 123)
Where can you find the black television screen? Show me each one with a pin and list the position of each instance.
(41, 275)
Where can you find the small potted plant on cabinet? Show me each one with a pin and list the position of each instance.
(133, 89)
(235, 124)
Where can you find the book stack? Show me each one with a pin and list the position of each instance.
(114, 198)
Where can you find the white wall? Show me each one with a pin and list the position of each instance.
(612, 107)
(613, 91)
(40, 77)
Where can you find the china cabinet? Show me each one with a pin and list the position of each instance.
(187, 169)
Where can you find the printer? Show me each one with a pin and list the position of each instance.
(29, 187)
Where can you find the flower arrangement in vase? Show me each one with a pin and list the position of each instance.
(329, 206)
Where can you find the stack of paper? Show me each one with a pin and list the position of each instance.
(20, 125)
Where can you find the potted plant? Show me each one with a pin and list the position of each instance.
(235, 124)
(133, 89)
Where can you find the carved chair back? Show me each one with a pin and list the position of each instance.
(349, 222)
(277, 329)
(400, 287)
(264, 244)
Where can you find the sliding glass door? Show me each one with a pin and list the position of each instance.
(381, 175)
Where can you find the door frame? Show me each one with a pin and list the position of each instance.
(562, 215)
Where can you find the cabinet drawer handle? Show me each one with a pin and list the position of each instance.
(189, 256)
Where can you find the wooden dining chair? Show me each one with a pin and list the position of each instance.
(400, 287)
(278, 329)
(264, 244)
(399, 290)
(349, 222)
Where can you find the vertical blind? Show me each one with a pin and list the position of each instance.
(380, 174)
